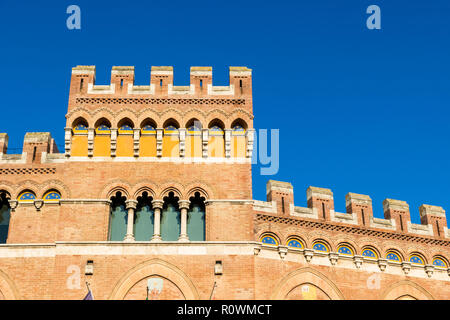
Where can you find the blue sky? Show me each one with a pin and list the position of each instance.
(358, 110)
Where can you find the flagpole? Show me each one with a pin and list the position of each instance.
(212, 291)
(89, 290)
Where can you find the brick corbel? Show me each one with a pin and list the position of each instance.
(38, 204)
(358, 260)
(257, 249)
(382, 264)
(429, 269)
(334, 257)
(282, 250)
(406, 267)
(309, 254)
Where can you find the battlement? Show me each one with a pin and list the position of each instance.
(161, 83)
(35, 145)
(359, 212)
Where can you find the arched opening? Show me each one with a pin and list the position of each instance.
(26, 196)
(79, 147)
(171, 218)
(144, 218)
(171, 139)
(216, 140)
(118, 218)
(52, 196)
(125, 143)
(196, 218)
(102, 139)
(306, 283)
(5, 216)
(147, 144)
(152, 270)
(307, 291)
(238, 145)
(193, 145)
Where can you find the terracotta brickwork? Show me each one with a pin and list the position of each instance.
(127, 142)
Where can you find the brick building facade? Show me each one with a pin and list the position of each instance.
(153, 190)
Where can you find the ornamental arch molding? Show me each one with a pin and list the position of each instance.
(109, 189)
(8, 289)
(306, 276)
(155, 267)
(406, 288)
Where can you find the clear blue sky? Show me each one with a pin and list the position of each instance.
(358, 110)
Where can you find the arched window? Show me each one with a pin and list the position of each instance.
(440, 263)
(216, 140)
(102, 139)
(26, 196)
(144, 218)
(170, 219)
(416, 259)
(52, 196)
(119, 218)
(369, 253)
(193, 142)
(5, 215)
(269, 239)
(321, 246)
(148, 129)
(345, 250)
(171, 139)
(80, 128)
(79, 146)
(393, 256)
(126, 129)
(125, 139)
(295, 243)
(103, 129)
(147, 144)
(196, 218)
(238, 145)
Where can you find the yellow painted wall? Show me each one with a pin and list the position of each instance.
(238, 146)
(79, 146)
(147, 146)
(125, 145)
(193, 146)
(171, 146)
(102, 146)
(216, 146)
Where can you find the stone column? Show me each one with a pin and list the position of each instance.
(250, 138)
(184, 206)
(205, 143)
(91, 133)
(113, 142)
(159, 142)
(227, 143)
(182, 132)
(157, 206)
(136, 141)
(68, 141)
(131, 206)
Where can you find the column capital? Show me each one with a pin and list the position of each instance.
(184, 204)
(157, 204)
(13, 204)
(131, 204)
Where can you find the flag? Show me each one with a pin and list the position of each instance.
(89, 296)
